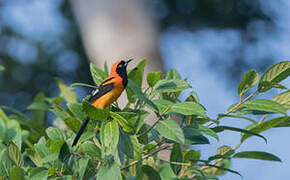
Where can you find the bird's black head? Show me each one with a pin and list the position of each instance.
(121, 69)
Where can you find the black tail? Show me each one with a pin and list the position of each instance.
(83, 127)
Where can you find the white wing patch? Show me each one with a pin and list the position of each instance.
(95, 92)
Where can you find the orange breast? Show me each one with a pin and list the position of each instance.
(107, 99)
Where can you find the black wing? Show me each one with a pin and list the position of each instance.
(102, 90)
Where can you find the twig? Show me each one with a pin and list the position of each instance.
(158, 144)
(155, 123)
(98, 166)
(236, 106)
(146, 156)
(263, 118)
(241, 102)
(237, 146)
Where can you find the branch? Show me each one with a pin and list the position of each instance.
(159, 119)
(236, 106)
(241, 103)
(148, 130)
(263, 118)
(146, 156)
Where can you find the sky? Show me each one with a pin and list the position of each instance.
(190, 53)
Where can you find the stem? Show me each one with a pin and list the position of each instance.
(237, 106)
(155, 123)
(146, 156)
(241, 103)
(237, 146)
(98, 166)
(158, 144)
(263, 118)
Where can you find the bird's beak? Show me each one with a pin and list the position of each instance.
(127, 62)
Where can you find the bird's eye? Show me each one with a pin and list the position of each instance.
(120, 65)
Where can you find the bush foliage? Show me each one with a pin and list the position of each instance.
(121, 144)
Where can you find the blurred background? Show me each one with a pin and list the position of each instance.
(211, 42)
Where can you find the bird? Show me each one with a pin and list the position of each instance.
(108, 91)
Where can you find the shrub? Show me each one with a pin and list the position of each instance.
(120, 144)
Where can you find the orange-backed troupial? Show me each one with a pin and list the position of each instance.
(108, 92)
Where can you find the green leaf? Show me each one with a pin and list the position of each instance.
(284, 99)
(139, 94)
(208, 131)
(173, 74)
(150, 173)
(193, 136)
(66, 92)
(257, 155)
(55, 134)
(235, 116)
(90, 149)
(172, 85)
(5, 163)
(18, 139)
(136, 76)
(64, 153)
(222, 128)
(16, 173)
(72, 123)
(15, 154)
(82, 166)
(249, 80)
(3, 115)
(77, 110)
(109, 171)
(274, 75)
(51, 171)
(125, 145)
(192, 97)
(225, 151)
(285, 123)
(138, 148)
(153, 78)
(38, 173)
(49, 158)
(188, 108)
(265, 105)
(191, 155)
(84, 85)
(106, 70)
(176, 156)
(2, 68)
(86, 136)
(127, 125)
(264, 126)
(170, 130)
(224, 169)
(95, 113)
(97, 74)
(38, 106)
(166, 172)
(12, 132)
(54, 146)
(34, 156)
(2, 129)
(40, 148)
(163, 105)
(109, 136)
